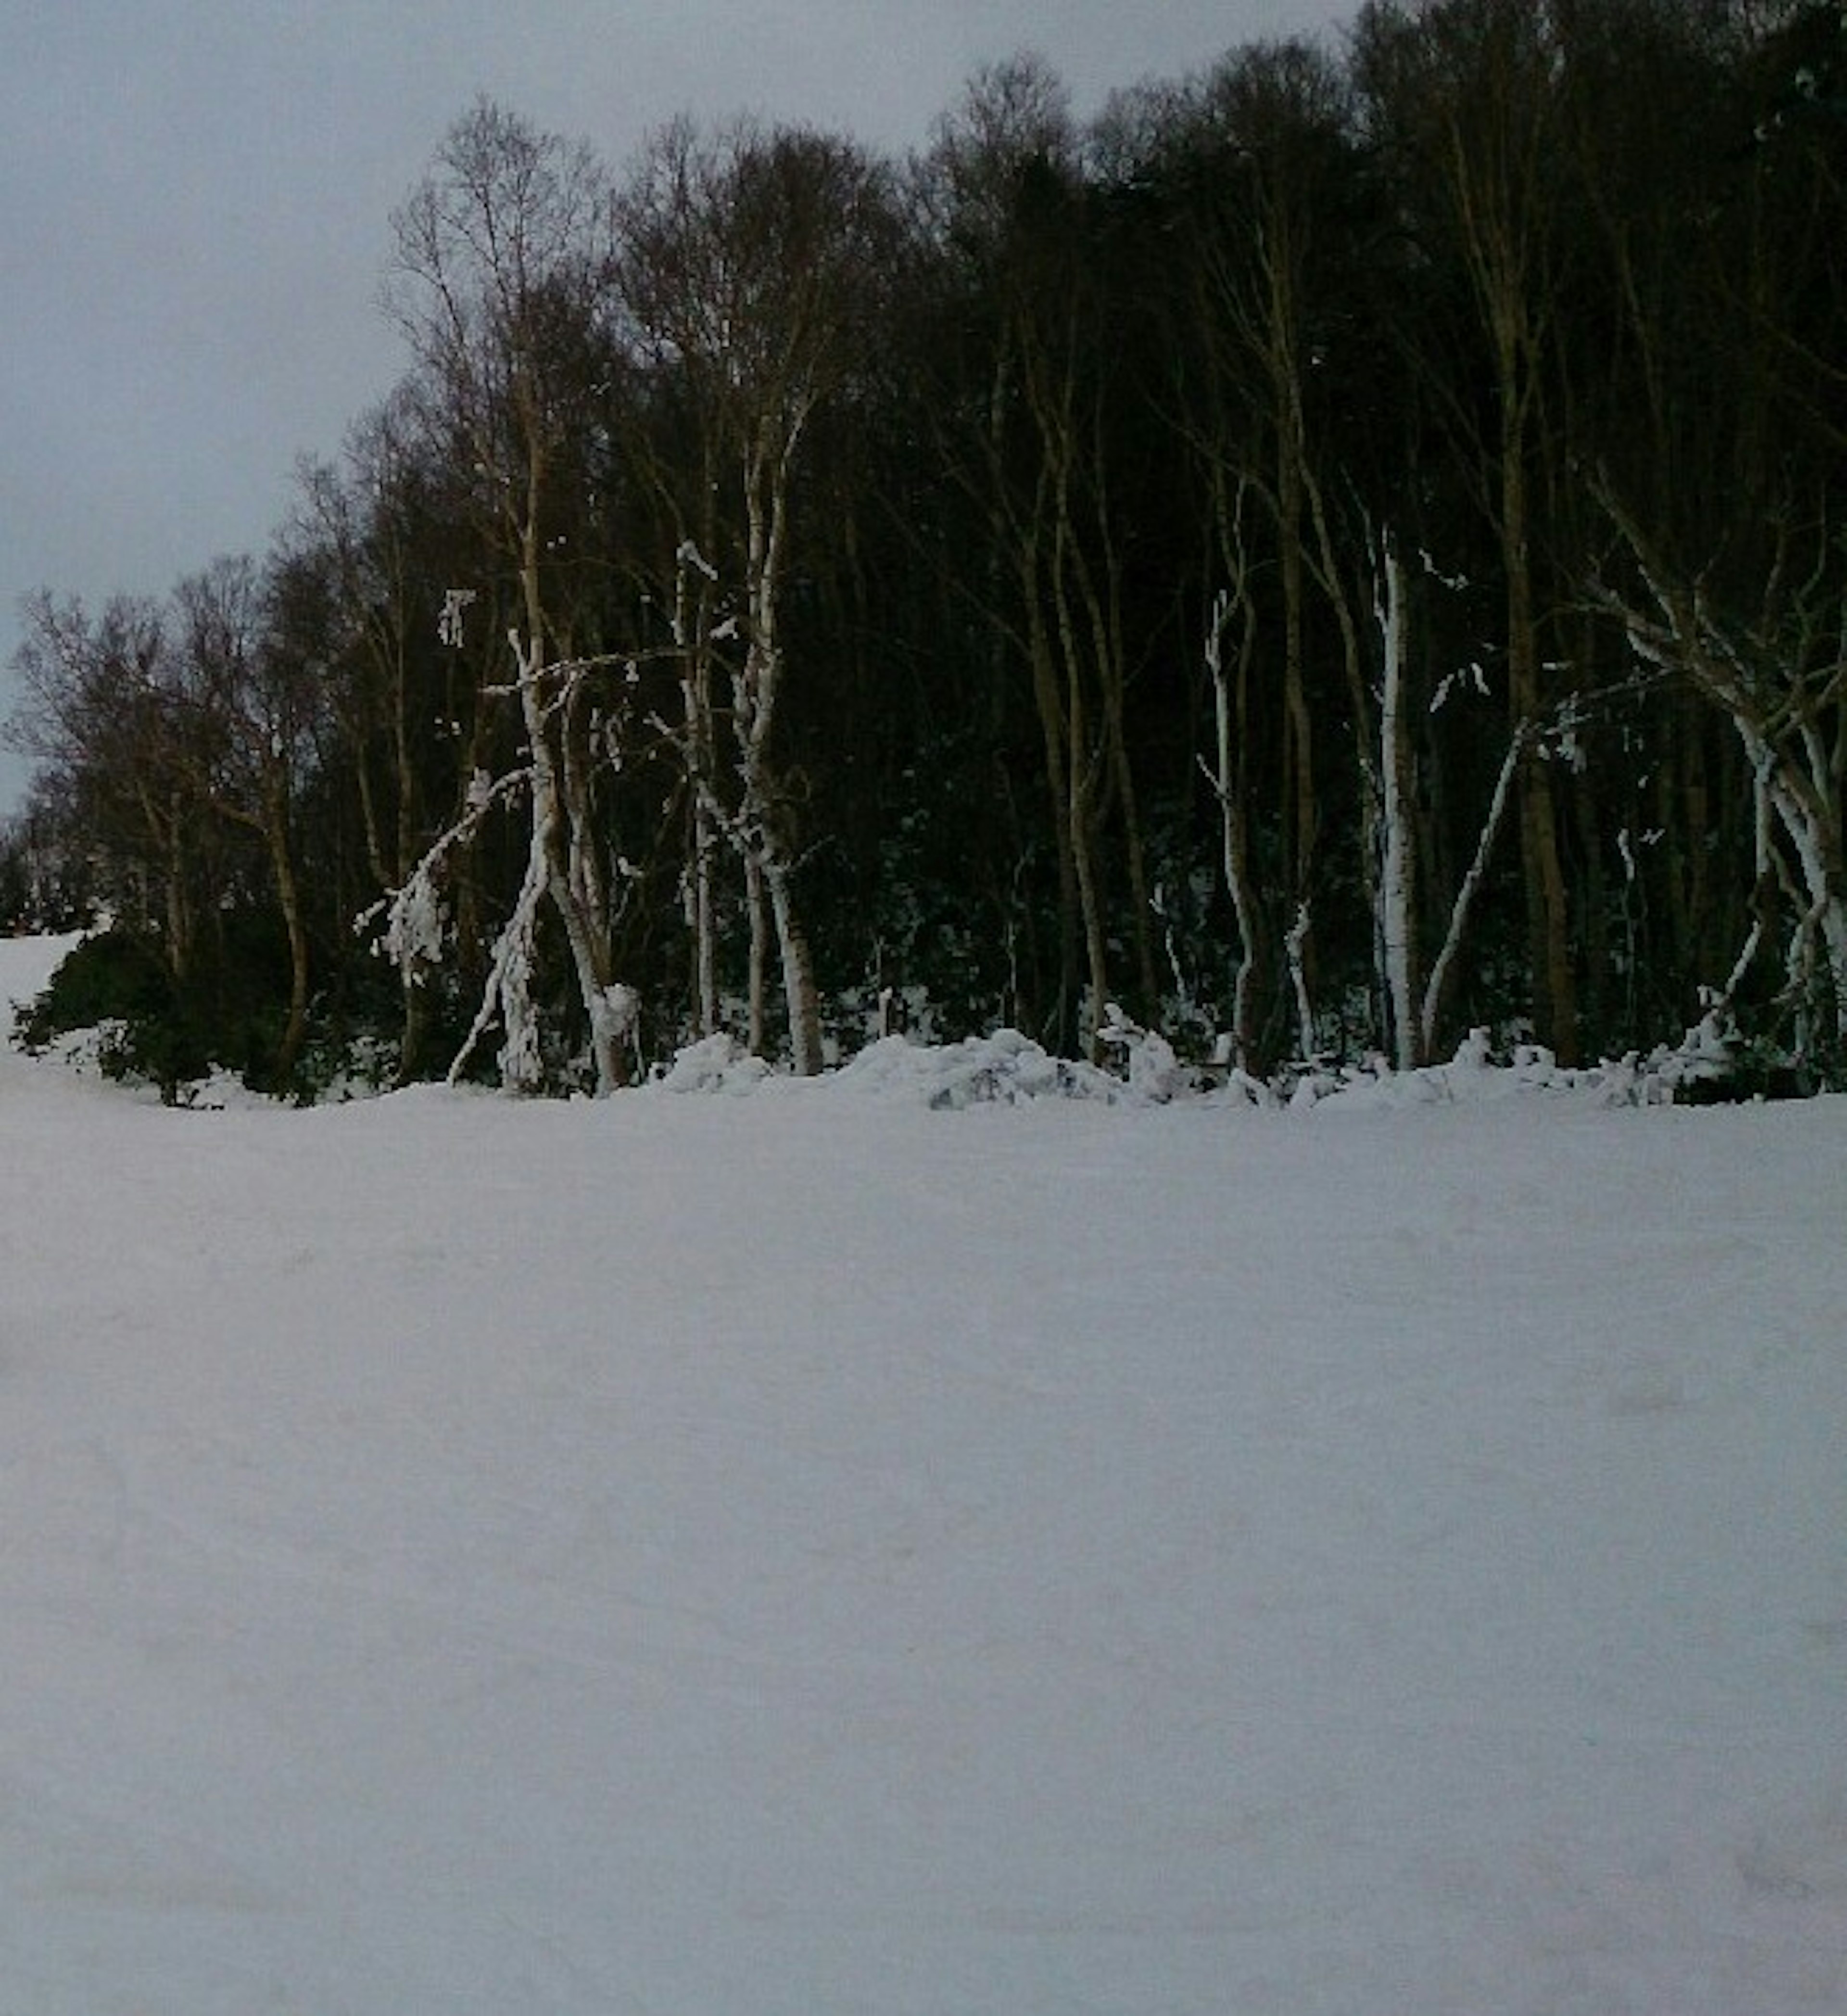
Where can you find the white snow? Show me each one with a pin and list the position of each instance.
(812, 1552)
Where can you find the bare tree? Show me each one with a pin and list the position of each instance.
(502, 269)
(1778, 673)
(100, 714)
(252, 707)
(1468, 89)
(1009, 198)
(751, 261)
(1275, 117)
(356, 525)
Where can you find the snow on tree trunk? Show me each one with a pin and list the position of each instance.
(1805, 812)
(1775, 676)
(548, 852)
(415, 927)
(508, 993)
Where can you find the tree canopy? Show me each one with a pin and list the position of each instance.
(1336, 551)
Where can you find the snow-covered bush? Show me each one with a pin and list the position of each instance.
(1155, 1073)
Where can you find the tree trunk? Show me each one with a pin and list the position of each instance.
(755, 902)
(1547, 911)
(1298, 758)
(1437, 988)
(1081, 781)
(1229, 699)
(275, 828)
(1398, 903)
(705, 930)
(607, 1009)
(599, 1001)
(798, 975)
(1062, 1025)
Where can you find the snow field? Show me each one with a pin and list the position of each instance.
(804, 1552)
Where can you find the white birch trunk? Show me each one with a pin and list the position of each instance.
(1804, 815)
(705, 928)
(759, 1037)
(1398, 866)
(693, 641)
(1232, 839)
(1776, 698)
(509, 991)
(607, 1027)
(799, 977)
(1295, 945)
(768, 865)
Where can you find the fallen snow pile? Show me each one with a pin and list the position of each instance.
(1706, 1057)
(716, 1063)
(1004, 1069)
(1009, 1069)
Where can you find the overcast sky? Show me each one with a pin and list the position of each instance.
(197, 193)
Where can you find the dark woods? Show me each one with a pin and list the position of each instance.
(1337, 552)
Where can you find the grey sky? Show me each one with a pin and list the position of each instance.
(197, 196)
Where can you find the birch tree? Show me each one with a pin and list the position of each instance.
(751, 263)
(501, 273)
(1398, 883)
(1276, 117)
(1038, 458)
(1013, 120)
(1467, 88)
(369, 526)
(1233, 623)
(1778, 673)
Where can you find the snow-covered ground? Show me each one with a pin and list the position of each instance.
(785, 1551)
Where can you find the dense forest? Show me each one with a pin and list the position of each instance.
(1332, 553)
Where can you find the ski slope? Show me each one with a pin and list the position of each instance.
(783, 1551)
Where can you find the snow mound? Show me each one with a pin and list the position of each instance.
(1004, 1069)
(717, 1063)
(1706, 1056)
(1008, 1068)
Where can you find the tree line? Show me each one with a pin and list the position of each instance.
(1332, 552)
